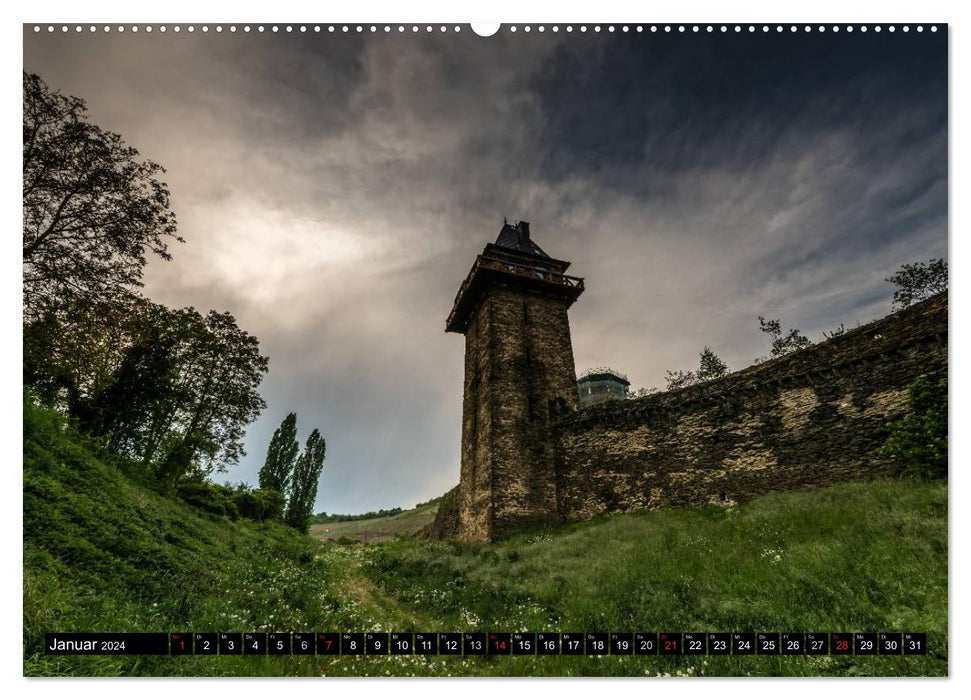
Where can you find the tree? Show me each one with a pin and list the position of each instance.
(258, 504)
(679, 379)
(783, 343)
(171, 388)
(918, 281)
(72, 351)
(92, 209)
(144, 380)
(919, 439)
(201, 426)
(710, 366)
(303, 485)
(281, 456)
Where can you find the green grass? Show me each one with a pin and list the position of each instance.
(377, 529)
(105, 552)
(855, 557)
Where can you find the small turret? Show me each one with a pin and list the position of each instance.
(601, 384)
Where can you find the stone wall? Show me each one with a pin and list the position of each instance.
(446, 523)
(810, 418)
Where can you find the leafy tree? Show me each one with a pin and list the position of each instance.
(679, 379)
(281, 456)
(274, 504)
(711, 366)
(783, 343)
(323, 518)
(92, 210)
(201, 425)
(303, 485)
(171, 388)
(918, 441)
(144, 380)
(72, 351)
(918, 281)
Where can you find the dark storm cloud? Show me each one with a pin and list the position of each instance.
(676, 103)
(334, 189)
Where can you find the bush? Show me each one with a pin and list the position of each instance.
(274, 503)
(212, 498)
(918, 441)
(259, 504)
(248, 504)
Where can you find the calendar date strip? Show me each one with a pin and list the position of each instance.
(487, 643)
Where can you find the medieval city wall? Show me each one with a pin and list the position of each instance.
(814, 417)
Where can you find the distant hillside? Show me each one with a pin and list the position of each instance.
(377, 529)
(324, 518)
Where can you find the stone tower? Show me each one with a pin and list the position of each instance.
(519, 373)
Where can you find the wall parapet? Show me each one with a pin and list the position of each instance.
(877, 342)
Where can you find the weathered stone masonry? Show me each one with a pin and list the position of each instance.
(519, 375)
(528, 456)
(814, 417)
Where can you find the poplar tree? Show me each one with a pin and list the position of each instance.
(281, 456)
(303, 485)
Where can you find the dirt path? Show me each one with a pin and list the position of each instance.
(356, 585)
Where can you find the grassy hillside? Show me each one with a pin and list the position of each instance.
(103, 552)
(377, 529)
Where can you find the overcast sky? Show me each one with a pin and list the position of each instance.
(334, 189)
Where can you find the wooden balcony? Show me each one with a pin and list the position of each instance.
(488, 271)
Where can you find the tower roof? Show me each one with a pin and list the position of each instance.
(513, 261)
(600, 374)
(516, 237)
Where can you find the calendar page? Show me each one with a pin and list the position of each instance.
(532, 349)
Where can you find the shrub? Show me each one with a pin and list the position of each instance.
(274, 503)
(248, 504)
(259, 504)
(918, 441)
(212, 498)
